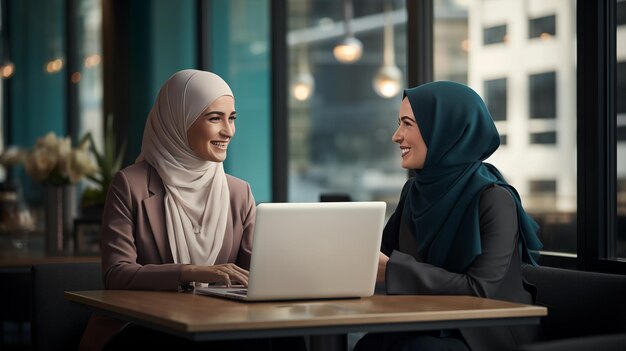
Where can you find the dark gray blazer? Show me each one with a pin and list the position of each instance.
(495, 274)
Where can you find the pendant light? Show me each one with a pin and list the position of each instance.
(350, 49)
(388, 81)
(304, 84)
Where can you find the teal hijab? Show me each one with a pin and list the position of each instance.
(442, 201)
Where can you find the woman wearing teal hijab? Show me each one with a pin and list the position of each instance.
(459, 228)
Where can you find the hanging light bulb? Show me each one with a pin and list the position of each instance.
(54, 65)
(350, 49)
(304, 84)
(7, 69)
(388, 81)
(55, 54)
(303, 88)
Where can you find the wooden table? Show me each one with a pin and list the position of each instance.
(199, 317)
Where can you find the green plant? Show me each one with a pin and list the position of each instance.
(109, 162)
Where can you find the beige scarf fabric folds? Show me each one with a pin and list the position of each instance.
(197, 198)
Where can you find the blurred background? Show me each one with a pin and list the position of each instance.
(318, 84)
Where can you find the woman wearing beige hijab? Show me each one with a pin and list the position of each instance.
(175, 217)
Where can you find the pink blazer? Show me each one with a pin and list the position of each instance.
(135, 249)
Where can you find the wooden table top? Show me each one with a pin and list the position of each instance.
(190, 313)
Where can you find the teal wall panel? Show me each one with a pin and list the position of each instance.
(240, 54)
(38, 98)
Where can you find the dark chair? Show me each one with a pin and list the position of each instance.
(58, 324)
(586, 310)
(15, 297)
(335, 197)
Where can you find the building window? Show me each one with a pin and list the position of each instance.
(461, 24)
(543, 138)
(621, 12)
(621, 218)
(621, 133)
(495, 97)
(502, 139)
(542, 95)
(621, 86)
(542, 27)
(494, 35)
(543, 186)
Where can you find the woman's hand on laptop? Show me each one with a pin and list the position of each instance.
(222, 273)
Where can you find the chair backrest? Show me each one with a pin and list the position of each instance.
(579, 303)
(58, 324)
(335, 197)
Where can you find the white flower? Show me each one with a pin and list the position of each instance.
(53, 160)
(39, 163)
(79, 165)
(12, 156)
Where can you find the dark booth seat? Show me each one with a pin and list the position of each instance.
(586, 310)
(58, 324)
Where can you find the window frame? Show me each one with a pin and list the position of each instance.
(596, 156)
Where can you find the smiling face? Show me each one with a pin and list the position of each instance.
(209, 135)
(408, 135)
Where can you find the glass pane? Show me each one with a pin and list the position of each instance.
(542, 95)
(342, 115)
(621, 12)
(495, 98)
(620, 250)
(540, 75)
(89, 80)
(543, 138)
(494, 35)
(542, 27)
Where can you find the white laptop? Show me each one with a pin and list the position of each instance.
(312, 251)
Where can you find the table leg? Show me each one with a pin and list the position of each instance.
(335, 342)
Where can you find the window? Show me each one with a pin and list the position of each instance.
(88, 76)
(621, 12)
(621, 86)
(494, 35)
(543, 187)
(621, 217)
(620, 133)
(542, 95)
(495, 98)
(542, 27)
(522, 96)
(341, 116)
(543, 138)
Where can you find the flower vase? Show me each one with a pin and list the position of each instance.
(59, 218)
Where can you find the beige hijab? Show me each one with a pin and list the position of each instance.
(197, 198)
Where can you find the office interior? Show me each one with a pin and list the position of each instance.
(318, 84)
